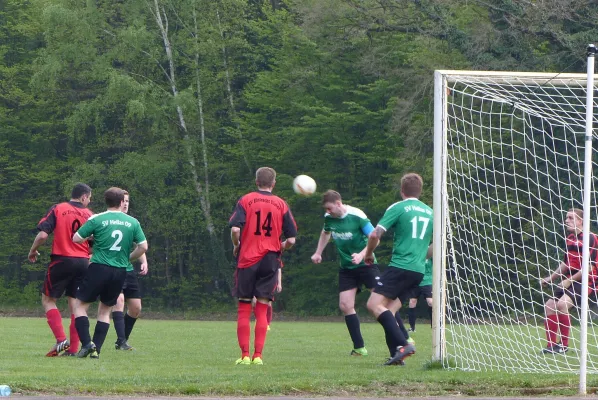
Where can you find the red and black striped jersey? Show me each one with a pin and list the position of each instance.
(64, 220)
(263, 219)
(574, 254)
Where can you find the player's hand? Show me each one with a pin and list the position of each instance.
(544, 281)
(369, 258)
(143, 269)
(236, 250)
(279, 287)
(316, 258)
(356, 258)
(33, 256)
(566, 283)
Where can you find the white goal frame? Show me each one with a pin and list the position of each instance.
(441, 201)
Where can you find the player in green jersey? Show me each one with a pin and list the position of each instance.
(425, 290)
(412, 222)
(349, 228)
(115, 235)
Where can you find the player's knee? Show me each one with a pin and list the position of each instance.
(134, 309)
(429, 301)
(412, 303)
(550, 307)
(347, 307)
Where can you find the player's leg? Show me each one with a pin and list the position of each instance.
(73, 334)
(133, 298)
(269, 314)
(243, 291)
(118, 318)
(571, 298)
(111, 290)
(55, 283)
(80, 308)
(429, 301)
(395, 307)
(347, 306)
(551, 324)
(412, 313)
(265, 285)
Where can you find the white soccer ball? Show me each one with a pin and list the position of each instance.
(304, 185)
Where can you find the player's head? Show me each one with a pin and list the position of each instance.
(333, 203)
(125, 207)
(265, 178)
(574, 220)
(114, 197)
(411, 186)
(82, 193)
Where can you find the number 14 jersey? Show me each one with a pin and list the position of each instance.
(114, 233)
(263, 219)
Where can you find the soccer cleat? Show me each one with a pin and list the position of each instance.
(555, 349)
(402, 353)
(359, 352)
(257, 361)
(243, 361)
(58, 348)
(88, 350)
(412, 330)
(68, 354)
(389, 362)
(410, 341)
(124, 345)
(268, 327)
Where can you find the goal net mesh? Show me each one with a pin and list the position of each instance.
(515, 159)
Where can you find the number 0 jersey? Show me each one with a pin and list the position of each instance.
(263, 219)
(413, 222)
(114, 233)
(64, 220)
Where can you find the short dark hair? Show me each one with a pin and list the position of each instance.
(114, 196)
(411, 185)
(79, 190)
(330, 196)
(265, 177)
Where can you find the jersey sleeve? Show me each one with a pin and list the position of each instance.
(138, 235)
(326, 227)
(87, 229)
(289, 226)
(48, 222)
(238, 217)
(390, 218)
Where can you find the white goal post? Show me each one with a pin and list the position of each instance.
(512, 154)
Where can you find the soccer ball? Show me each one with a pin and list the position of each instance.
(304, 185)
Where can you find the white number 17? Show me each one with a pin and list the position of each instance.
(425, 220)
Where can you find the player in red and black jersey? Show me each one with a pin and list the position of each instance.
(568, 293)
(258, 222)
(68, 262)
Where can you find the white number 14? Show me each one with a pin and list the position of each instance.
(425, 220)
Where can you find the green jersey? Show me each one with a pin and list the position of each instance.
(114, 233)
(350, 234)
(427, 273)
(413, 222)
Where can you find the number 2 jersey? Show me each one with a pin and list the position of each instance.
(114, 233)
(64, 220)
(263, 219)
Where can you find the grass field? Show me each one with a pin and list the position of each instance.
(197, 358)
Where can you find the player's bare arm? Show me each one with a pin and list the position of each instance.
(287, 244)
(357, 258)
(139, 251)
(39, 240)
(559, 272)
(235, 237)
(279, 285)
(316, 258)
(143, 260)
(77, 238)
(373, 242)
(430, 252)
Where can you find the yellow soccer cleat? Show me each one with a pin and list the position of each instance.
(243, 361)
(257, 361)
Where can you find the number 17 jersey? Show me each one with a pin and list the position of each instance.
(263, 219)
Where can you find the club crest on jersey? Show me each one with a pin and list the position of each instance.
(342, 235)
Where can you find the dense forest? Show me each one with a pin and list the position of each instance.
(180, 101)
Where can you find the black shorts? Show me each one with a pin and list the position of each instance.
(103, 281)
(424, 291)
(64, 275)
(259, 280)
(574, 293)
(353, 278)
(131, 288)
(397, 282)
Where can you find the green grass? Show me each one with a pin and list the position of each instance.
(197, 358)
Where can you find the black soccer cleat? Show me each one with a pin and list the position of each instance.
(555, 349)
(123, 345)
(402, 353)
(389, 362)
(88, 350)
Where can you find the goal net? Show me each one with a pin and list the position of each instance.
(513, 156)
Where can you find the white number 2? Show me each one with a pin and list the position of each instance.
(425, 220)
(119, 236)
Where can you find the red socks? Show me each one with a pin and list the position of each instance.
(565, 326)
(269, 314)
(552, 326)
(55, 322)
(261, 327)
(74, 335)
(243, 327)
